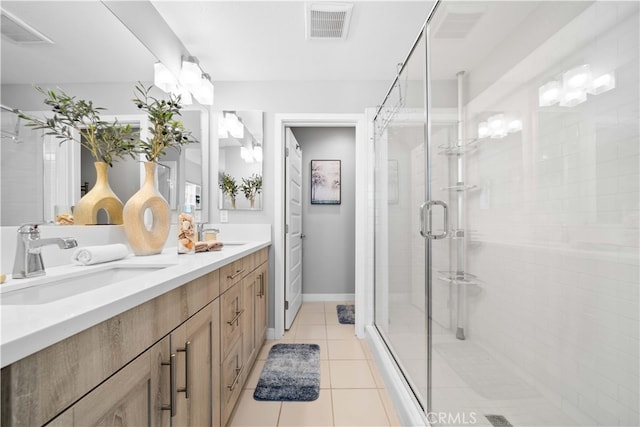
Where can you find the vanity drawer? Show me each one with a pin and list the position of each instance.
(232, 318)
(233, 273)
(233, 374)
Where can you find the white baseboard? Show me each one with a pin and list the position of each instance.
(271, 333)
(328, 297)
(407, 408)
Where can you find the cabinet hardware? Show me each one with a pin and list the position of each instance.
(235, 319)
(185, 389)
(237, 378)
(236, 274)
(172, 383)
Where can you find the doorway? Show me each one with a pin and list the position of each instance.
(354, 121)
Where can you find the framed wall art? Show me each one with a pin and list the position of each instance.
(325, 182)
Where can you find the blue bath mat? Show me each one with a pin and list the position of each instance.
(346, 314)
(290, 374)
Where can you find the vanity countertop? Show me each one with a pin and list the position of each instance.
(26, 329)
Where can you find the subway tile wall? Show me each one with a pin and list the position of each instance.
(557, 218)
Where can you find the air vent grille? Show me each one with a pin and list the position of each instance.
(458, 22)
(19, 32)
(328, 20)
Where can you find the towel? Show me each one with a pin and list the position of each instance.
(97, 254)
(212, 245)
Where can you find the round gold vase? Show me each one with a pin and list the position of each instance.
(101, 196)
(145, 241)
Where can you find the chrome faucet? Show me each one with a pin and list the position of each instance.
(28, 261)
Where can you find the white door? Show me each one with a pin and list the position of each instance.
(293, 228)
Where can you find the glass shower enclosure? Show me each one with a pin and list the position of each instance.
(507, 211)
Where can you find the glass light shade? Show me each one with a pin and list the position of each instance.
(190, 75)
(185, 95)
(204, 92)
(603, 83)
(497, 126)
(163, 78)
(257, 153)
(235, 126)
(514, 125)
(549, 93)
(222, 127)
(246, 155)
(571, 98)
(483, 130)
(577, 78)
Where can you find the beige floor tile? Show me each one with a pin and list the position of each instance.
(351, 374)
(254, 376)
(251, 412)
(330, 306)
(290, 334)
(389, 407)
(325, 374)
(341, 332)
(376, 374)
(317, 413)
(358, 408)
(331, 318)
(311, 318)
(316, 306)
(345, 349)
(367, 350)
(324, 352)
(311, 332)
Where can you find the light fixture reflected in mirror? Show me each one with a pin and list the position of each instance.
(191, 81)
(576, 84)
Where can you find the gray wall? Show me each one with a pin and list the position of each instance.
(328, 261)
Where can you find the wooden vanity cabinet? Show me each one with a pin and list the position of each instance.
(119, 372)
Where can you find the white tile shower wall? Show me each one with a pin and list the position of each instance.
(558, 213)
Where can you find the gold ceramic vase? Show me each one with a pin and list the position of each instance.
(101, 196)
(145, 241)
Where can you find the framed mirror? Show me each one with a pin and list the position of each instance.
(240, 136)
(93, 56)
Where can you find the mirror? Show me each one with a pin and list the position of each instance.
(102, 65)
(240, 160)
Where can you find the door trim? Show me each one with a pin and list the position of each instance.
(356, 121)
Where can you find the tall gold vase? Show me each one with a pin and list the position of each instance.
(145, 241)
(101, 196)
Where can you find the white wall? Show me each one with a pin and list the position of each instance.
(328, 262)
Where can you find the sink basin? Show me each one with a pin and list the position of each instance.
(46, 290)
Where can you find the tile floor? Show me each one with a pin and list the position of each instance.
(352, 392)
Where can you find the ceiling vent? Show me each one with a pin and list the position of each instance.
(458, 21)
(328, 21)
(17, 31)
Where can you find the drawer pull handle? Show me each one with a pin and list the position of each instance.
(236, 274)
(172, 385)
(233, 385)
(185, 389)
(260, 289)
(235, 319)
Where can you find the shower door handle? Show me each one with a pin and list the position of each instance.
(425, 209)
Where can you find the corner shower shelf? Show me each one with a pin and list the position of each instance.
(459, 187)
(456, 150)
(459, 278)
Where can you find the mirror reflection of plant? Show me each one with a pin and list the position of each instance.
(166, 131)
(79, 120)
(251, 186)
(228, 185)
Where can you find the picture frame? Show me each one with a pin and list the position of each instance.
(326, 182)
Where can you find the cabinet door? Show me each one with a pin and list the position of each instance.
(132, 397)
(193, 344)
(232, 312)
(232, 373)
(248, 333)
(260, 306)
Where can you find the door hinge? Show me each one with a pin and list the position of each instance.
(286, 151)
(286, 305)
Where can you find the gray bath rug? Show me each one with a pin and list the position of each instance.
(291, 373)
(346, 314)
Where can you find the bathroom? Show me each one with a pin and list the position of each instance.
(494, 248)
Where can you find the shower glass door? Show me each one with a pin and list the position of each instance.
(400, 304)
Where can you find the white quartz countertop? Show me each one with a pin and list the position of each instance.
(26, 329)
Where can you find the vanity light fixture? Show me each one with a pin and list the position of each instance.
(514, 125)
(576, 83)
(257, 153)
(190, 73)
(483, 130)
(163, 78)
(191, 81)
(497, 126)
